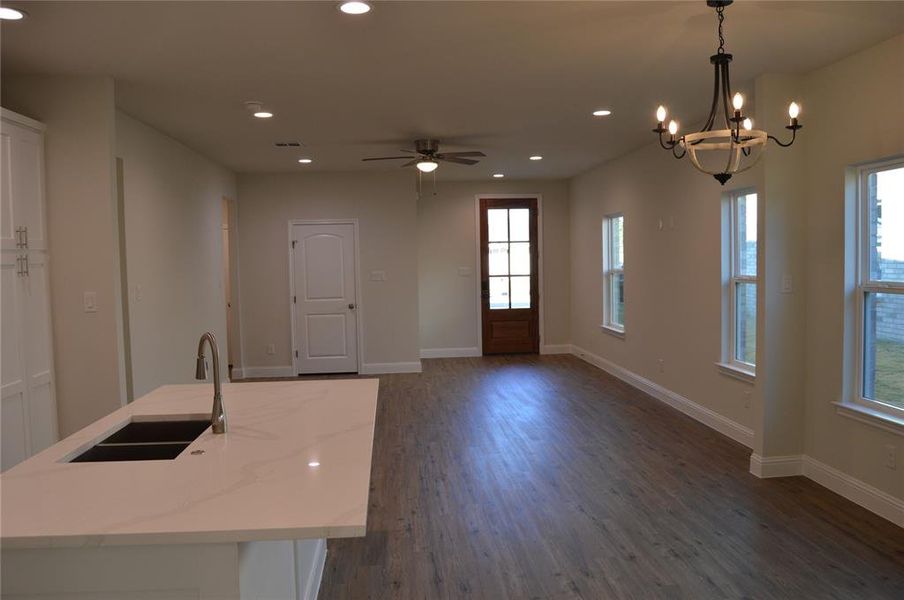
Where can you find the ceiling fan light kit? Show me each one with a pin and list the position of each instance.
(738, 143)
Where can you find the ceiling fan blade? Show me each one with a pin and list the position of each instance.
(460, 161)
(411, 163)
(460, 154)
(385, 158)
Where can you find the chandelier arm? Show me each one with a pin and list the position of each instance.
(666, 146)
(726, 94)
(710, 121)
(675, 154)
(779, 142)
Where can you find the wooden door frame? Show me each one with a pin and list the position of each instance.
(478, 302)
(359, 329)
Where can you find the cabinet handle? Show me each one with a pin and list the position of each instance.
(19, 266)
(25, 258)
(25, 241)
(18, 237)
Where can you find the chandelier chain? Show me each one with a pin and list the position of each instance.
(720, 12)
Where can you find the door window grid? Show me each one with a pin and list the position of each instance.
(509, 258)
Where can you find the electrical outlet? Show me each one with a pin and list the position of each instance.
(891, 456)
(661, 365)
(271, 349)
(787, 284)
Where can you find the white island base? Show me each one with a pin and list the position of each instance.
(240, 516)
(271, 570)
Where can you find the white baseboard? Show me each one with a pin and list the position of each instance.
(709, 417)
(556, 349)
(875, 500)
(251, 372)
(396, 367)
(449, 352)
(776, 466)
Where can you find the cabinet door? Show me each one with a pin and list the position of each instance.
(13, 409)
(39, 380)
(23, 185)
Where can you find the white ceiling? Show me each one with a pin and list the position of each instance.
(509, 78)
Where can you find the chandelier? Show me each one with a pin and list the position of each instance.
(735, 146)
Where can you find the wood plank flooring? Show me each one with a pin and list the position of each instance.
(544, 477)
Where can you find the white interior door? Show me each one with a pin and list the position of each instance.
(325, 298)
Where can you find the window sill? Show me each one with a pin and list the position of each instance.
(870, 416)
(619, 333)
(736, 372)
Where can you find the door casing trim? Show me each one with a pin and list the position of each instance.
(359, 334)
(478, 274)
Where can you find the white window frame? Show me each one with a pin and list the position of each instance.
(609, 272)
(731, 365)
(865, 285)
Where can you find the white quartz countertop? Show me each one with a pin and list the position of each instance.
(251, 483)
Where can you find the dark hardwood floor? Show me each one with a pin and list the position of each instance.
(543, 477)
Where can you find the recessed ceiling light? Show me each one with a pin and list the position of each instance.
(354, 7)
(536, 157)
(256, 108)
(602, 113)
(313, 463)
(498, 175)
(12, 14)
(305, 161)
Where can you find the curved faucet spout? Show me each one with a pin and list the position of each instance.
(218, 414)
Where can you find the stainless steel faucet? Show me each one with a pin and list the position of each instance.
(218, 414)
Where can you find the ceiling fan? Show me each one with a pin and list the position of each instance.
(426, 154)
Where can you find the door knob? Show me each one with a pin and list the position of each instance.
(351, 306)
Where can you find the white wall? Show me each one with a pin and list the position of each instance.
(854, 114)
(81, 222)
(173, 232)
(385, 206)
(851, 114)
(447, 240)
(672, 276)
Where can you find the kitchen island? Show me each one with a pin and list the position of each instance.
(238, 515)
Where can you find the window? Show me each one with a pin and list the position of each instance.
(614, 273)
(880, 288)
(741, 283)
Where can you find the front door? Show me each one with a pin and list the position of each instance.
(508, 263)
(325, 298)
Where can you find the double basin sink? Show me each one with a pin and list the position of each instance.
(146, 440)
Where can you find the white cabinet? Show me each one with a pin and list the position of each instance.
(28, 415)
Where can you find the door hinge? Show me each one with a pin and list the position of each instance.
(293, 300)
(293, 243)
(296, 354)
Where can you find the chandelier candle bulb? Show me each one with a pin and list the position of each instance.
(738, 101)
(661, 114)
(748, 124)
(673, 127)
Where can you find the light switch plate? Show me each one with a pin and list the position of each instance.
(378, 275)
(89, 301)
(464, 271)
